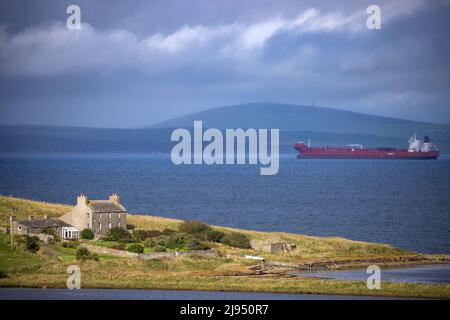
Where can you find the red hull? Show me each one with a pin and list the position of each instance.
(352, 153)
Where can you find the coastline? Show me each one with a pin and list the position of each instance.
(229, 271)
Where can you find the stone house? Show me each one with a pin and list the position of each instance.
(98, 215)
(272, 245)
(33, 226)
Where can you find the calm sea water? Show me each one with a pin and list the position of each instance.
(132, 294)
(404, 203)
(433, 274)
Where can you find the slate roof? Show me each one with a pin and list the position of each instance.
(43, 223)
(105, 206)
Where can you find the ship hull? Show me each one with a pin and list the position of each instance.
(341, 153)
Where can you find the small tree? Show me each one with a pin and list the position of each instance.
(136, 248)
(87, 234)
(32, 244)
(130, 226)
(118, 234)
(193, 227)
(84, 254)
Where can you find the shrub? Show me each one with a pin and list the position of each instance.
(194, 244)
(214, 235)
(3, 274)
(193, 227)
(201, 230)
(185, 241)
(130, 226)
(118, 234)
(84, 254)
(158, 241)
(235, 239)
(87, 234)
(177, 241)
(137, 248)
(145, 234)
(159, 248)
(32, 244)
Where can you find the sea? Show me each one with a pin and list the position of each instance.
(405, 203)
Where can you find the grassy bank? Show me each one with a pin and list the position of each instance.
(229, 272)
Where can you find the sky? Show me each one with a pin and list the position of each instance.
(136, 63)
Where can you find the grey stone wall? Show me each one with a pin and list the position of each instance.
(109, 251)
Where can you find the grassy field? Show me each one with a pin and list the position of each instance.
(230, 271)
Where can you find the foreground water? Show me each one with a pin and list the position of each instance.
(404, 203)
(431, 274)
(129, 294)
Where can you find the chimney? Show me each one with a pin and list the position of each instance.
(45, 216)
(82, 200)
(30, 217)
(114, 198)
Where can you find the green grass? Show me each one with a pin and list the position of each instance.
(12, 261)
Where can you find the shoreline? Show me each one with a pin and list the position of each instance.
(227, 272)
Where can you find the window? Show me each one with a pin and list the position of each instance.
(87, 214)
(20, 228)
(100, 226)
(110, 225)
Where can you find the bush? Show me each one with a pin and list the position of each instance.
(201, 230)
(193, 227)
(137, 248)
(118, 234)
(159, 248)
(194, 244)
(87, 234)
(185, 241)
(158, 241)
(130, 226)
(145, 234)
(176, 241)
(214, 235)
(84, 254)
(237, 240)
(32, 244)
(3, 274)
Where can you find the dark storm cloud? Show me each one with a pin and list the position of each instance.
(136, 65)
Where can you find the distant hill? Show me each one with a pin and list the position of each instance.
(324, 126)
(43, 139)
(289, 117)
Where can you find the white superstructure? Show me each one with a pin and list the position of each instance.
(416, 145)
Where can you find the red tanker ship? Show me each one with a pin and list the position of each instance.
(416, 150)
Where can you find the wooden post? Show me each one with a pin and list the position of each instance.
(11, 231)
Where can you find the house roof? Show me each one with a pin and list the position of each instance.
(43, 223)
(105, 206)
